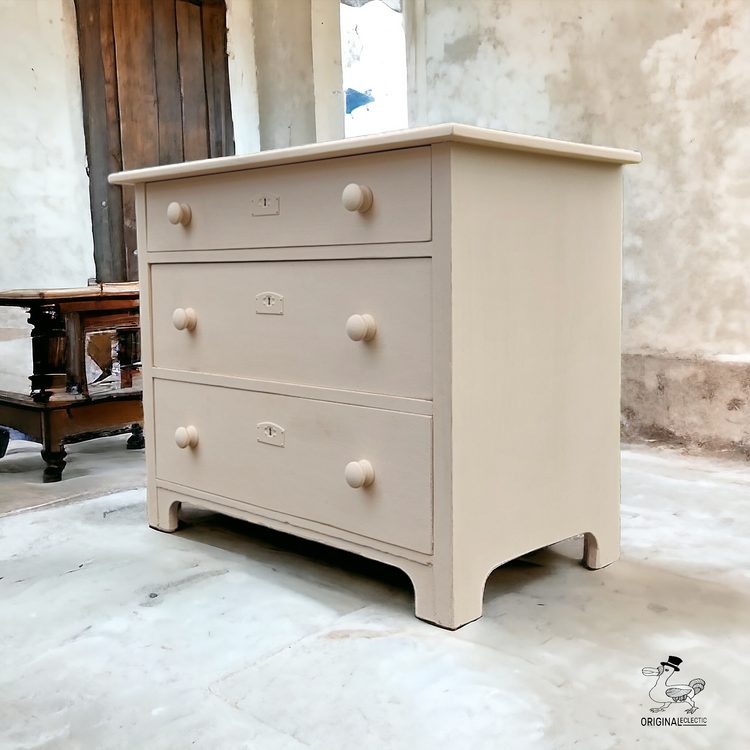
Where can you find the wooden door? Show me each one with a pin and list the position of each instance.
(155, 86)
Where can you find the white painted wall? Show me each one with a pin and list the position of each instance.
(243, 77)
(327, 74)
(670, 79)
(284, 72)
(283, 57)
(45, 221)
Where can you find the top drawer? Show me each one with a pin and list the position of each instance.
(297, 205)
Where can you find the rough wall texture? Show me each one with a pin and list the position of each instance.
(283, 55)
(45, 221)
(686, 402)
(670, 79)
(243, 79)
(284, 72)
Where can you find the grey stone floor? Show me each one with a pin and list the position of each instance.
(94, 468)
(226, 635)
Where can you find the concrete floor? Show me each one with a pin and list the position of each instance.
(226, 635)
(94, 468)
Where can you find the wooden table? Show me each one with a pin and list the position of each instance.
(77, 335)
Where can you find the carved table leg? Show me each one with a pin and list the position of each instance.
(136, 439)
(75, 365)
(55, 464)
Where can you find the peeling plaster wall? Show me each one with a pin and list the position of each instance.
(45, 221)
(286, 89)
(243, 80)
(686, 402)
(670, 79)
(284, 72)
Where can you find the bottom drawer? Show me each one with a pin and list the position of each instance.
(290, 454)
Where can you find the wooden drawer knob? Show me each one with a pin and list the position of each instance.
(357, 198)
(359, 474)
(361, 327)
(179, 213)
(183, 319)
(186, 437)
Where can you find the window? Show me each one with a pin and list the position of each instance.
(373, 57)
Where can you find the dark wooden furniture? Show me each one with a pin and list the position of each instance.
(86, 372)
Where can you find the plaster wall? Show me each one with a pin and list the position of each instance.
(45, 220)
(243, 79)
(284, 60)
(327, 69)
(668, 78)
(284, 72)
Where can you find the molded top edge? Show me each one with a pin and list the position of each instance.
(449, 132)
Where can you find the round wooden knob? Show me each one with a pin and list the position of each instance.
(183, 319)
(359, 474)
(179, 213)
(361, 327)
(357, 198)
(186, 437)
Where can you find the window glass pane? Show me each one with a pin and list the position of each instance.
(373, 56)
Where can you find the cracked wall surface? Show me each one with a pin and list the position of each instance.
(45, 220)
(664, 77)
(283, 55)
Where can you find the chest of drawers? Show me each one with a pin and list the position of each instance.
(406, 346)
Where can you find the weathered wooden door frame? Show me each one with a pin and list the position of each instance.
(112, 207)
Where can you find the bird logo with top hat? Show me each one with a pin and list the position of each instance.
(666, 693)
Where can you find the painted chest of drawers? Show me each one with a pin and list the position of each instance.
(406, 346)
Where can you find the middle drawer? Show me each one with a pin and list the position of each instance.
(299, 322)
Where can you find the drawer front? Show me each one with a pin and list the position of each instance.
(297, 205)
(300, 470)
(287, 321)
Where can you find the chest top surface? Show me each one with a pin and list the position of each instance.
(433, 134)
